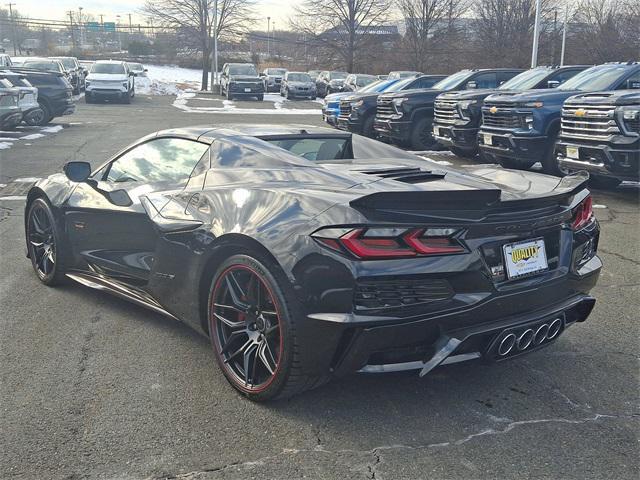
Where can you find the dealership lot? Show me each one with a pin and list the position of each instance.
(94, 387)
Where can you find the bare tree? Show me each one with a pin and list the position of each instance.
(606, 30)
(193, 20)
(505, 30)
(426, 22)
(342, 26)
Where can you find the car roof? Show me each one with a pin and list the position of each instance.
(208, 133)
(109, 61)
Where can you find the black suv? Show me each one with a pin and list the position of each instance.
(54, 92)
(358, 111)
(406, 118)
(241, 80)
(458, 114)
(76, 73)
(330, 82)
(600, 133)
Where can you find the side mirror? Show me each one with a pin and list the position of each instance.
(263, 74)
(132, 74)
(145, 70)
(633, 84)
(77, 171)
(472, 85)
(553, 83)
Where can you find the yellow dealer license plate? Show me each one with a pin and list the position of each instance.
(488, 140)
(573, 152)
(525, 258)
(436, 132)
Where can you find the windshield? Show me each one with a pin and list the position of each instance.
(114, 68)
(362, 81)
(452, 81)
(68, 63)
(5, 83)
(338, 75)
(276, 71)
(243, 70)
(137, 67)
(42, 65)
(299, 77)
(595, 78)
(526, 80)
(400, 84)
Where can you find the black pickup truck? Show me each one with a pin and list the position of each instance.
(358, 111)
(600, 133)
(521, 128)
(458, 114)
(54, 92)
(406, 118)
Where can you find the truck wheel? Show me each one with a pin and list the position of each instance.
(604, 183)
(127, 98)
(47, 117)
(464, 152)
(421, 137)
(514, 164)
(549, 161)
(260, 98)
(367, 127)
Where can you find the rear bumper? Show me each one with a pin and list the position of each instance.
(395, 130)
(451, 136)
(514, 147)
(346, 343)
(621, 161)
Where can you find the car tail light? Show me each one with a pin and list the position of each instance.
(582, 214)
(380, 243)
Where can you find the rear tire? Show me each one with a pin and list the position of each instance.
(48, 116)
(367, 127)
(267, 313)
(127, 98)
(421, 138)
(260, 98)
(604, 183)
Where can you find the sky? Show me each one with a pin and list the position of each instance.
(57, 9)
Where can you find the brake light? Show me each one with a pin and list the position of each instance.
(582, 214)
(379, 243)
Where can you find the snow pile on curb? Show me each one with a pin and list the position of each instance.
(168, 80)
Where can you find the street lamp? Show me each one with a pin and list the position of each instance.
(268, 30)
(80, 26)
(118, 32)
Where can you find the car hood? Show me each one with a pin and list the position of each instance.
(115, 77)
(467, 94)
(335, 97)
(551, 95)
(363, 96)
(417, 92)
(245, 78)
(618, 98)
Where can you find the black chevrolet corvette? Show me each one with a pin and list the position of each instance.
(305, 253)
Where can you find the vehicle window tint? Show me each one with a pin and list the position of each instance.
(426, 82)
(563, 76)
(485, 80)
(315, 149)
(163, 160)
(632, 82)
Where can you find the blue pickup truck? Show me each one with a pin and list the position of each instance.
(519, 129)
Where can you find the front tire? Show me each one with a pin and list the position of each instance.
(251, 314)
(549, 161)
(463, 152)
(421, 137)
(45, 244)
(48, 116)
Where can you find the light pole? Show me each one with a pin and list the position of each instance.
(214, 57)
(80, 27)
(536, 34)
(118, 32)
(13, 28)
(268, 30)
(564, 34)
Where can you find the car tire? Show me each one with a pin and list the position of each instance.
(550, 164)
(45, 243)
(421, 138)
(87, 98)
(514, 164)
(463, 152)
(604, 183)
(48, 116)
(35, 120)
(127, 98)
(287, 95)
(264, 372)
(367, 127)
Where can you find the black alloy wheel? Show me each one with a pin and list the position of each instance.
(43, 243)
(422, 137)
(246, 327)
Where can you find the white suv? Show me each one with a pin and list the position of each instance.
(110, 79)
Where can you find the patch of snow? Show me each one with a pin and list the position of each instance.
(14, 197)
(33, 136)
(230, 107)
(27, 179)
(54, 128)
(168, 80)
(5, 145)
(599, 206)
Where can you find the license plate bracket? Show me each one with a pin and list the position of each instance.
(525, 258)
(487, 139)
(247, 90)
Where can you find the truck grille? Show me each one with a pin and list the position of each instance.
(591, 122)
(503, 118)
(377, 295)
(385, 108)
(446, 111)
(345, 110)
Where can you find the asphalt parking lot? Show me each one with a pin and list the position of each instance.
(94, 387)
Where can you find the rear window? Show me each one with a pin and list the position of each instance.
(314, 149)
(42, 65)
(242, 70)
(113, 68)
(298, 77)
(68, 63)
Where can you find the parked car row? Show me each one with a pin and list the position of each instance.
(509, 116)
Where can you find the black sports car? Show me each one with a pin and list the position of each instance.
(306, 253)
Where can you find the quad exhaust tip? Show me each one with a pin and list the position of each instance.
(529, 337)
